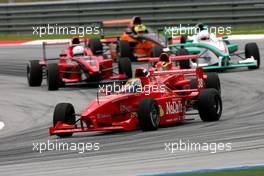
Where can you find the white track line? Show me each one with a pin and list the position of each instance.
(1, 125)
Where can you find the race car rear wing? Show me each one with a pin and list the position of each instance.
(188, 72)
(44, 44)
(171, 58)
(56, 42)
(110, 22)
(198, 73)
(113, 22)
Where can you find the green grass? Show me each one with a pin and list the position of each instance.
(258, 171)
(259, 30)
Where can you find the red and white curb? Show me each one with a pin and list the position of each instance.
(2, 125)
(13, 42)
(39, 42)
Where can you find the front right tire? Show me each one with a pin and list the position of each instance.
(124, 50)
(251, 49)
(124, 67)
(156, 51)
(184, 64)
(96, 46)
(53, 79)
(209, 104)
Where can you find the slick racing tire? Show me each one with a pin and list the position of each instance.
(53, 79)
(96, 46)
(193, 84)
(213, 81)
(251, 49)
(34, 73)
(124, 50)
(148, 114)
(65, 113)
(124, 67)
(156, 51)
(184, 64)
(209, 104)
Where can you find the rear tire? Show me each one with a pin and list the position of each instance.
(209, 105)
(65, 113)
(124, 67)
(251, 49)
(213, 81)
(148, 114)
(53, 79)
(96, 46)
(124, 50)
(156, 51)
(193, 84)
(184, 64)
(34, 73)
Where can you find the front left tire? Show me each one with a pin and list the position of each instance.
(148, 114)
(34, 73)
(65, 113)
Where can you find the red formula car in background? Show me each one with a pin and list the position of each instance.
(173, 62)
(151, 99)
(76, 64)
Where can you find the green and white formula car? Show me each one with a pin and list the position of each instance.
(215, 53)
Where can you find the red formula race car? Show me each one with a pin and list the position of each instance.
(151, 99)
(76, 64)
(173, 62)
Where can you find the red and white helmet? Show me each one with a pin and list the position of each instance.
(78, 51)
(203, 35)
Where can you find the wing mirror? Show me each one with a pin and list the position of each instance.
(63, 55)
(225, 37)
